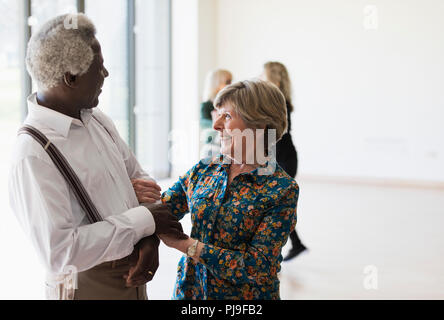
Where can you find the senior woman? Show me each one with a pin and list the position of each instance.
(242, 212)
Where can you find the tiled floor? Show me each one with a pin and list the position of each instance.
(396, 233)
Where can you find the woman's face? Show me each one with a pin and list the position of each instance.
(237, 139)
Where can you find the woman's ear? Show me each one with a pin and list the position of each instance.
(70, 80)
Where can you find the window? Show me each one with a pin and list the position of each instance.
(135, 42)
(10, 64)
(13, 242)
(135, 39)
(43, 10)
(111, 20)
(153, 85)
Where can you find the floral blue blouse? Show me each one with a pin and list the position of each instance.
(243, 228)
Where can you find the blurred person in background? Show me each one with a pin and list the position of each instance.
(215, 81)
(286, 155)
(242, 208)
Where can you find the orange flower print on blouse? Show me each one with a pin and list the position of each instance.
(243, 228)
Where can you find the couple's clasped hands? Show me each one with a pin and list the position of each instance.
(144, 260)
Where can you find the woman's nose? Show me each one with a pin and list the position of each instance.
(217, 125)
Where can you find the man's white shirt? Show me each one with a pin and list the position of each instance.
(46, 207)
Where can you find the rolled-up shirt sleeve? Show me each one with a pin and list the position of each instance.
(140, 219)
(41, 200)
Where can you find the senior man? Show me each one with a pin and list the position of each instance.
(72, 176)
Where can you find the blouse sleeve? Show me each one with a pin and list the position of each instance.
(261, 259)
(177, 195)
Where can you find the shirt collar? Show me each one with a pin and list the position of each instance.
(57, 121)
(259, 175)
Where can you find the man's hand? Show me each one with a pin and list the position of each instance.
(146, 190)
(166, 222)
(144, 262)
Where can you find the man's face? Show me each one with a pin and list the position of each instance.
(90, 84)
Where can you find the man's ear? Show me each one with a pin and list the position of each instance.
(70, 80)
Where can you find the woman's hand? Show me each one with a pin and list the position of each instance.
(179, 244)
(147, 191)
(182, 245)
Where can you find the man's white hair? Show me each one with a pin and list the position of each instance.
(59, 47)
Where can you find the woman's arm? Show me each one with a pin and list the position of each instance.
(177, 197)
(177, 194)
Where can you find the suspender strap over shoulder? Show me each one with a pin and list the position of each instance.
(67, 172)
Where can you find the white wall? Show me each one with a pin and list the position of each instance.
(152, 86)
(369, 103)
(185, 93)
(194, 53)
(207, 42)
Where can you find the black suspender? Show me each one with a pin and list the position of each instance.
(67, 172)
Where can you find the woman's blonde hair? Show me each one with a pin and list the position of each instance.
(278, 74)
(259, 103)
(214, 80)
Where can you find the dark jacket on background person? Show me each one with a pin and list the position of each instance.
(206, 120)
(286, 154)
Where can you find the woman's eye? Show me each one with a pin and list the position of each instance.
(227, 116)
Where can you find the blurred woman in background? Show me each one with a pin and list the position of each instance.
(216, 80)
(286, 155)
